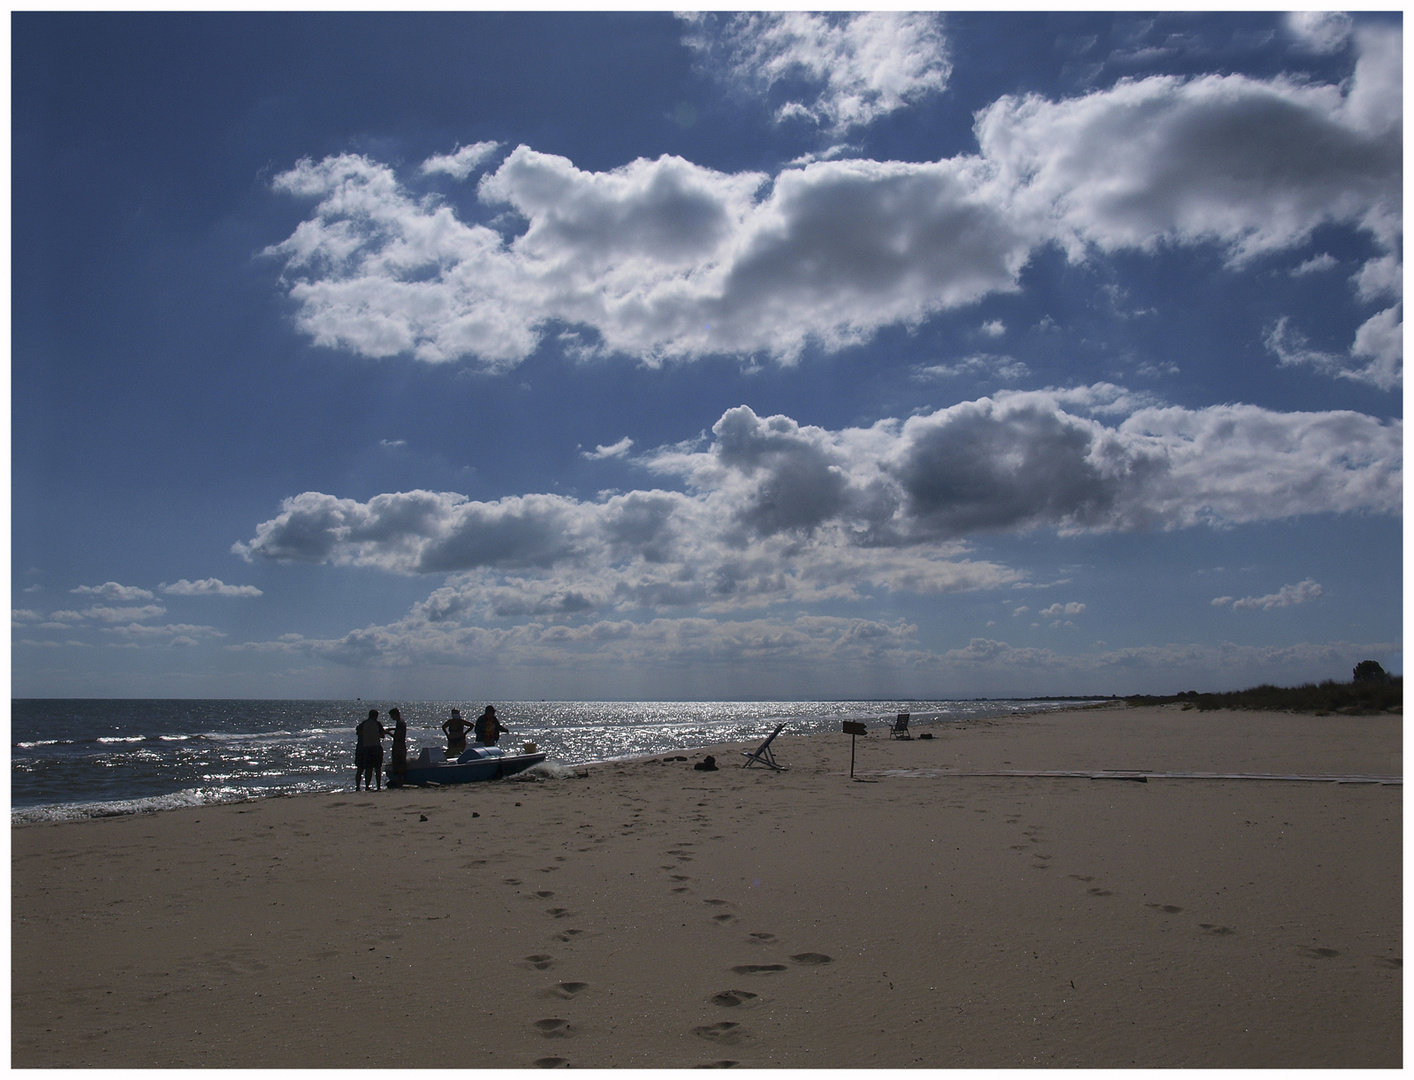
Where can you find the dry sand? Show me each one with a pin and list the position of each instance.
(650, 915)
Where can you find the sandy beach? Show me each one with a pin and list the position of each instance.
(649, 915)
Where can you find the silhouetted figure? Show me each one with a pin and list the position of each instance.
(488, 728)
(368, 758)
(707, 764)
(399, 766)
(455, 728)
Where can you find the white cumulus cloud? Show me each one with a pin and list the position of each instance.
(1251, 165)
(1376, 356)
(112, 591)
(838, 70)
(208, 587)
(461, 162)
(617, 450)
(664, 259)
(1286, 596)
(1320, 31)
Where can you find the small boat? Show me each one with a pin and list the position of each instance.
(476, 763)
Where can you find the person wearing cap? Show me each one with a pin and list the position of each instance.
(455, 728)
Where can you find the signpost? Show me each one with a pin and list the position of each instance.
(853, 728)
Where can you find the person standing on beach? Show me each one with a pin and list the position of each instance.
(454, 727)
(368, 760)
(399, 767)
(488, 728)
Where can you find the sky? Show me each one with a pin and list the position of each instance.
(769, 355)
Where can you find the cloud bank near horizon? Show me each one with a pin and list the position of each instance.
(773, 512)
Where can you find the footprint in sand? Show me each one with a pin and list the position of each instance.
(1097, 891)
(551, 1063)
(1395, 962)
(1317, 954)
(1169, 909)
(725, 917)
(758, 969)
(554, 1028)
(544, 894)
(511, 880)
(762, 936)
(726, 1032)
(1213, 928)
(1082, 877)
(677, 877)
(812, 958)
(731, 999)
(726, 1064)
(566, 990)
(568, 935)
(538, 961)
(557, 912)
(682, 889)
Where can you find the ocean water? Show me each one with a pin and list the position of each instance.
(72, 758)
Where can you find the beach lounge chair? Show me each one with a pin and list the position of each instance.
(763, 753)
(900, 728)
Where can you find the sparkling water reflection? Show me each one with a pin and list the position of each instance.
(83, 758)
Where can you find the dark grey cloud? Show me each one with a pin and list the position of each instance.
(979, 469)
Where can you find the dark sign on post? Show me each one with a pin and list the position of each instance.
(853, 728)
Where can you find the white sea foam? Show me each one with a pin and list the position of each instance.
(31, 815)
(546, 770)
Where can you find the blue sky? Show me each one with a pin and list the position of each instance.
(774, 355)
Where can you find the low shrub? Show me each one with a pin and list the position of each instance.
(1355, 698)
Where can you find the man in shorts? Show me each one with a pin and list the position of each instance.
(368, 757)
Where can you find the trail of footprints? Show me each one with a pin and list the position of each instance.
(1032, 833)
(731, 1033)
(724, 1033)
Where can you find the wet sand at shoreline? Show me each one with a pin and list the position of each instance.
(648, 915)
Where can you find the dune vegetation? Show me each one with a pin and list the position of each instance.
(1370, 690)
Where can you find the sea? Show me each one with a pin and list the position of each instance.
(81, 758)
